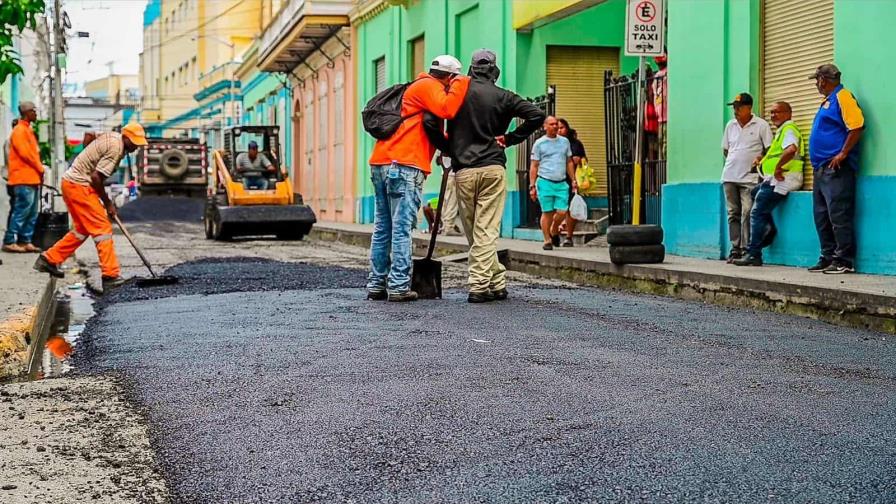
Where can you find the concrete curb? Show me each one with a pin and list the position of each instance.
(40, 328)
(854, 309)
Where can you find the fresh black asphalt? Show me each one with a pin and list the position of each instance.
(274, 382)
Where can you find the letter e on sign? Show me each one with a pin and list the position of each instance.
(643, 17)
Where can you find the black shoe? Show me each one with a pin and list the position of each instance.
(820, 266)
(547, 246)
(112, 283)
(734, 255)
(500, 294)
(555, 240)
(568, 242)
(839, 268)
(482, 297)
(44, 266)
(401, 297)
(377, 295)
(749, 260)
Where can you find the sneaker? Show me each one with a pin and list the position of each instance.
(45, 266)
(400, 297)
(112, 283)
(820, 266)
(31, 248)
(14, 248)
(839, 268)
(481, 297)
(500, 294)
(749, 260)
(378, 295)
(555, 240)
(547, 246)
(568, 242)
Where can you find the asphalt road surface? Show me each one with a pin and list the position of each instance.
(266, 381)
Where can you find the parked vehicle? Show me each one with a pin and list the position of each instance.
(173, 165)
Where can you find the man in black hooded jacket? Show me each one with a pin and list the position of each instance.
(477, 137)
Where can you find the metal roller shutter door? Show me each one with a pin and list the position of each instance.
(578, 73)
(795, 40)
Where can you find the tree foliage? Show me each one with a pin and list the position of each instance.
(15, 16)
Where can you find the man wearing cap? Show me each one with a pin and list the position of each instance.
(836, 130)
(746, 138)
(477, 138)
(253, 166)
(398, 166)
(89, 205)
(26, 173)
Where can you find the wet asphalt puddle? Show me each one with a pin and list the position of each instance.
(265, 381)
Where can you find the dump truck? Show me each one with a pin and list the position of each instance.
(173, 165)
(235, 208)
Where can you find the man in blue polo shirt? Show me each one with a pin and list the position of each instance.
(551, 167)
(836, 131)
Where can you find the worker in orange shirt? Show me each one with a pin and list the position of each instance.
(398, 166)
(90, 206)
(26, 173)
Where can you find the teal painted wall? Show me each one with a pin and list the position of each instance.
(714, 54)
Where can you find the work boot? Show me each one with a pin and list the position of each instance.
(29, 247)
(500, 294)
(112, 283)
(45, 266)
(400, 297)
(748, 260)
(378, 295)
(481, 297)
(820, 266)
(14, 248)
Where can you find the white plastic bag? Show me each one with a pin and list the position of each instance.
(578, 209)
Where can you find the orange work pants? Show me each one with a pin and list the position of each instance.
(90, 219)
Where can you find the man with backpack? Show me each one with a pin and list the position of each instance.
(477, 138)
(400, 162)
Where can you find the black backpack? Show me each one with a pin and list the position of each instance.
(382, 114)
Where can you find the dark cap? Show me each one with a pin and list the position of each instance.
(742, 99)
(253, 145)
(828, 71)
(484, 57)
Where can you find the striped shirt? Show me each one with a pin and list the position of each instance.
(102, 155)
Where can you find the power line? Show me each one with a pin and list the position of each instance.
(204, 24)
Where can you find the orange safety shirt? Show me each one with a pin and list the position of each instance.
(25, 167)
(409, 145)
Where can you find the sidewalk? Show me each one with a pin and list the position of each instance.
(856, 300)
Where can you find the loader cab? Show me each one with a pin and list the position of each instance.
(236, 142)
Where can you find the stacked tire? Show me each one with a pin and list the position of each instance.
(636, 244)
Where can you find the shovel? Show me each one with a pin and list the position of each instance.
(426, 279)
(155, 279)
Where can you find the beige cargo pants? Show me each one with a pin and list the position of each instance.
(481, 193)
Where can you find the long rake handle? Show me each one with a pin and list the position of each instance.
(136, 248)
(438, 223)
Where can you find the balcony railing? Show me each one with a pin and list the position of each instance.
(293, 13)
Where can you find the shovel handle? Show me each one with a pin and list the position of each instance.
(136, 248)
(438, 223)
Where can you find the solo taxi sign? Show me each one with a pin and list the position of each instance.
(645, 28)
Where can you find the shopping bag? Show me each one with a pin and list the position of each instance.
(587, 179)
(578, 209)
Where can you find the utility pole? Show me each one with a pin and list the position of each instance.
(57, 120)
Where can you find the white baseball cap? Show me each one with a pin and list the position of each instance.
(446, 63)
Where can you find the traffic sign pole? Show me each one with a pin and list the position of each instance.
(636, 176)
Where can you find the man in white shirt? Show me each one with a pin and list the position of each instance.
(254, 167)
(746, 139)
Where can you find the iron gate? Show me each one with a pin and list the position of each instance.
(530, 212)
(621, 120)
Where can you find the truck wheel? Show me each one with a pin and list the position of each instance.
(637, 254)
(628, 235)
(173, 163)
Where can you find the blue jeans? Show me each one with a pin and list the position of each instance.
(24, 215)
(398, 191)
(255, 182)
(765, 200)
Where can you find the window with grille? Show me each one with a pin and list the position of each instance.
(379, 74)
(416, 53)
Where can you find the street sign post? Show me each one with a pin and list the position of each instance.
(645, 35)
(645, 28)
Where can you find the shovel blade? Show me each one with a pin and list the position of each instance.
(156, 281)
(426, 279)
